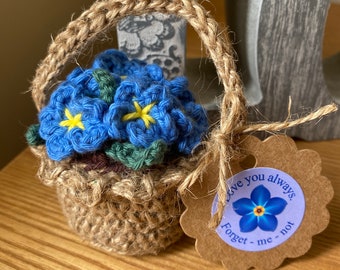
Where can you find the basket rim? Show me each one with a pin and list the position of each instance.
(134, 185)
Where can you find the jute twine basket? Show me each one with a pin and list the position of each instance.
(138, 212)
(131, 212)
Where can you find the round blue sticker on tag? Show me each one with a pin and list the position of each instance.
(264, 208)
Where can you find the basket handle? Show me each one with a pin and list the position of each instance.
(104, 15)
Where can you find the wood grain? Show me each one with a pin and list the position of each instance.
(34, 234)
(280, 53)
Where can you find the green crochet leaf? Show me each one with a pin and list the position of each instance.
(107, 84)
(32, 136)
(137, 157)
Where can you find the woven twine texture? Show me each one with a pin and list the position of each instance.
(134, 213)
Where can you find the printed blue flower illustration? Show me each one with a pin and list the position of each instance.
(259, 211)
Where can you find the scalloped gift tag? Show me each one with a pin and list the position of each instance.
(276, 201)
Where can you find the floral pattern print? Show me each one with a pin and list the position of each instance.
(259, 211)
(155, 38)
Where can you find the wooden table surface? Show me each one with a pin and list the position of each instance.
(34, 234)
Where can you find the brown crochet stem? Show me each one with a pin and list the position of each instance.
(104, 15)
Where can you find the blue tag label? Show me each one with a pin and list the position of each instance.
(264, 208)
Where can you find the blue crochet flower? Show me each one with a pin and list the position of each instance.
(147, 108)
(259, 211)
(178, 87)
(123, 100)
(117, 62)
(83, 80)
(141, 117)
(72, 122)
(192, 132)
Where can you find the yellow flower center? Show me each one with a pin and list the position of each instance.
(259, 211)
(141, 113)
(72, 121)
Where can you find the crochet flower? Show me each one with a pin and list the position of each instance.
(259, 211)
(72, 122)
(178, 87)
(116, 62)
(198, 121)
(198, 126)
(83, 80)
(122, 100)
(147, 108)
(141, 117)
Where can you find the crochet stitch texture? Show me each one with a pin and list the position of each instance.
(121, 105)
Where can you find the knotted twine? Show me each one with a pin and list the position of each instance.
(222, 146)
(104, 15)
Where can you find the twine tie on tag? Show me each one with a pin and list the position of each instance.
(153, 196)
(222, 147)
